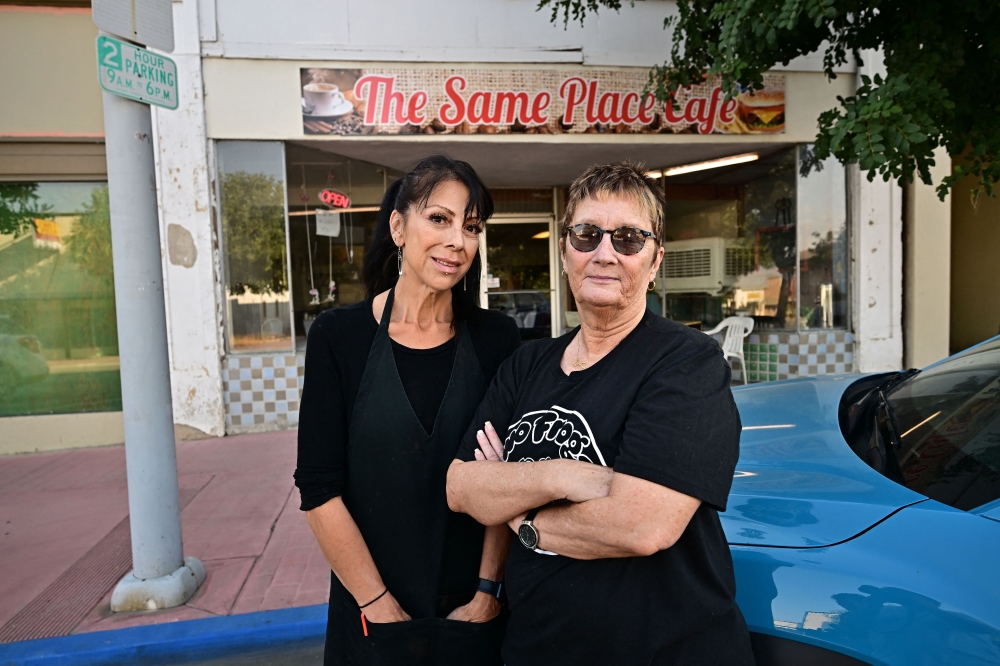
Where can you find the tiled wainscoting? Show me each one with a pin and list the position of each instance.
(262, 391)
(781, 355)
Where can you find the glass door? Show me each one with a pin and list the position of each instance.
(519, 272)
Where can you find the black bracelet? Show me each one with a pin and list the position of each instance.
(375, 599)
(489, 587)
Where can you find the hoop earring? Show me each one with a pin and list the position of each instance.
(565, 274)
(399, 260)
(652, 285)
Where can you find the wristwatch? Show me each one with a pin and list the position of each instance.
(490, 587)
(527, 532)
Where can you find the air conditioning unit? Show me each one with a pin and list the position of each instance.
(703, 265)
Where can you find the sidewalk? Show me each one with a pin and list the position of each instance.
(64, 536)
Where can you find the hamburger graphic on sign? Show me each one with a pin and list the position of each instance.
(762, 112)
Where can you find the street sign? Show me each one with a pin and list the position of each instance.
(148, 22)
(134, 72)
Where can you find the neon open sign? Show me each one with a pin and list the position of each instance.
(335, 199)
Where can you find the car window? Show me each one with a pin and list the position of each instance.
(948, 423)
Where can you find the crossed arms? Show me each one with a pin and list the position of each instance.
(610, 515)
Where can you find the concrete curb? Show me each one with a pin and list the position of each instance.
(177, 641)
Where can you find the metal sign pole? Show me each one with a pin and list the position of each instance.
(161, 577)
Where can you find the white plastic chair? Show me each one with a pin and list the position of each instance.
(736, 330)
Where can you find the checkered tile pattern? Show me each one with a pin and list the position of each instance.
(262, 391)
(781, 355)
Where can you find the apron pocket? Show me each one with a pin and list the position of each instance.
(409, 643)
(428, 642)
(471, 643)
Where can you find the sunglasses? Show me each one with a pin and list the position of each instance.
(625, 240)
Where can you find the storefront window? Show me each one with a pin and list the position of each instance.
(765, 277)
(252, 188)
(58, 332)
(518, 279)
(327, 234)
(822, 218)
(518, 255)
(756, 240)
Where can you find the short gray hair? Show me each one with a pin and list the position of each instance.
(624, 179)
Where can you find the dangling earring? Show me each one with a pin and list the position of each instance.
(565, 274)
(465, 282)
(399, 260)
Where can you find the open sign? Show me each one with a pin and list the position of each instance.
(335, 199)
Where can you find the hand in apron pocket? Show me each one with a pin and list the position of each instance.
(428, 642)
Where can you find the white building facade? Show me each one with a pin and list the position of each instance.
(294, 117)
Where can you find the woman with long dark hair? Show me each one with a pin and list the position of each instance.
(391, 384)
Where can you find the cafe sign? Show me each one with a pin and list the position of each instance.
(529, 101)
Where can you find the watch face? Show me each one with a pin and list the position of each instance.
(528, 536)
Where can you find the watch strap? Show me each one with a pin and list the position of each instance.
(490, 587)
(531, 516)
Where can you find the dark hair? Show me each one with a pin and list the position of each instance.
(379, 271)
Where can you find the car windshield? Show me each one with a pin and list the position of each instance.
(948, 424)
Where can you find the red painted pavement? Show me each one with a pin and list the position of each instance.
(242, 521)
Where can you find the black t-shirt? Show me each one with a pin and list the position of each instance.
(425, 374)
(657, 407)
(336, 356)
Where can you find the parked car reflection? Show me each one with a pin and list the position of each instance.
(530, 310)
(21, 359)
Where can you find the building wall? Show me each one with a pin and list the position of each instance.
(772, 356)
(877, 257)
(456, 31)
(507, 31)
(263, 391)
(49, 74)
(51, 129)
(188, 239)
(975, 267)
(927, 269)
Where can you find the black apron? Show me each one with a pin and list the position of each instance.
(395, 492)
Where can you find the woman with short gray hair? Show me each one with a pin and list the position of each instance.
(610, 452)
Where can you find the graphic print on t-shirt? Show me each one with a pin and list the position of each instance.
(552, 433)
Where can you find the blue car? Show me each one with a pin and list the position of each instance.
(864, 519)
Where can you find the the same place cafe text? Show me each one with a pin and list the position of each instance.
(507, 107)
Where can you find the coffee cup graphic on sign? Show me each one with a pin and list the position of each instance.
(324, 99)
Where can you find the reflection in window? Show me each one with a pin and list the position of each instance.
(767, 290)
(822, 218)
(753, 240)
(58, 332)
(948, 422)
(518, 283)
(252, 186)
(730, 246)
(328, 242)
